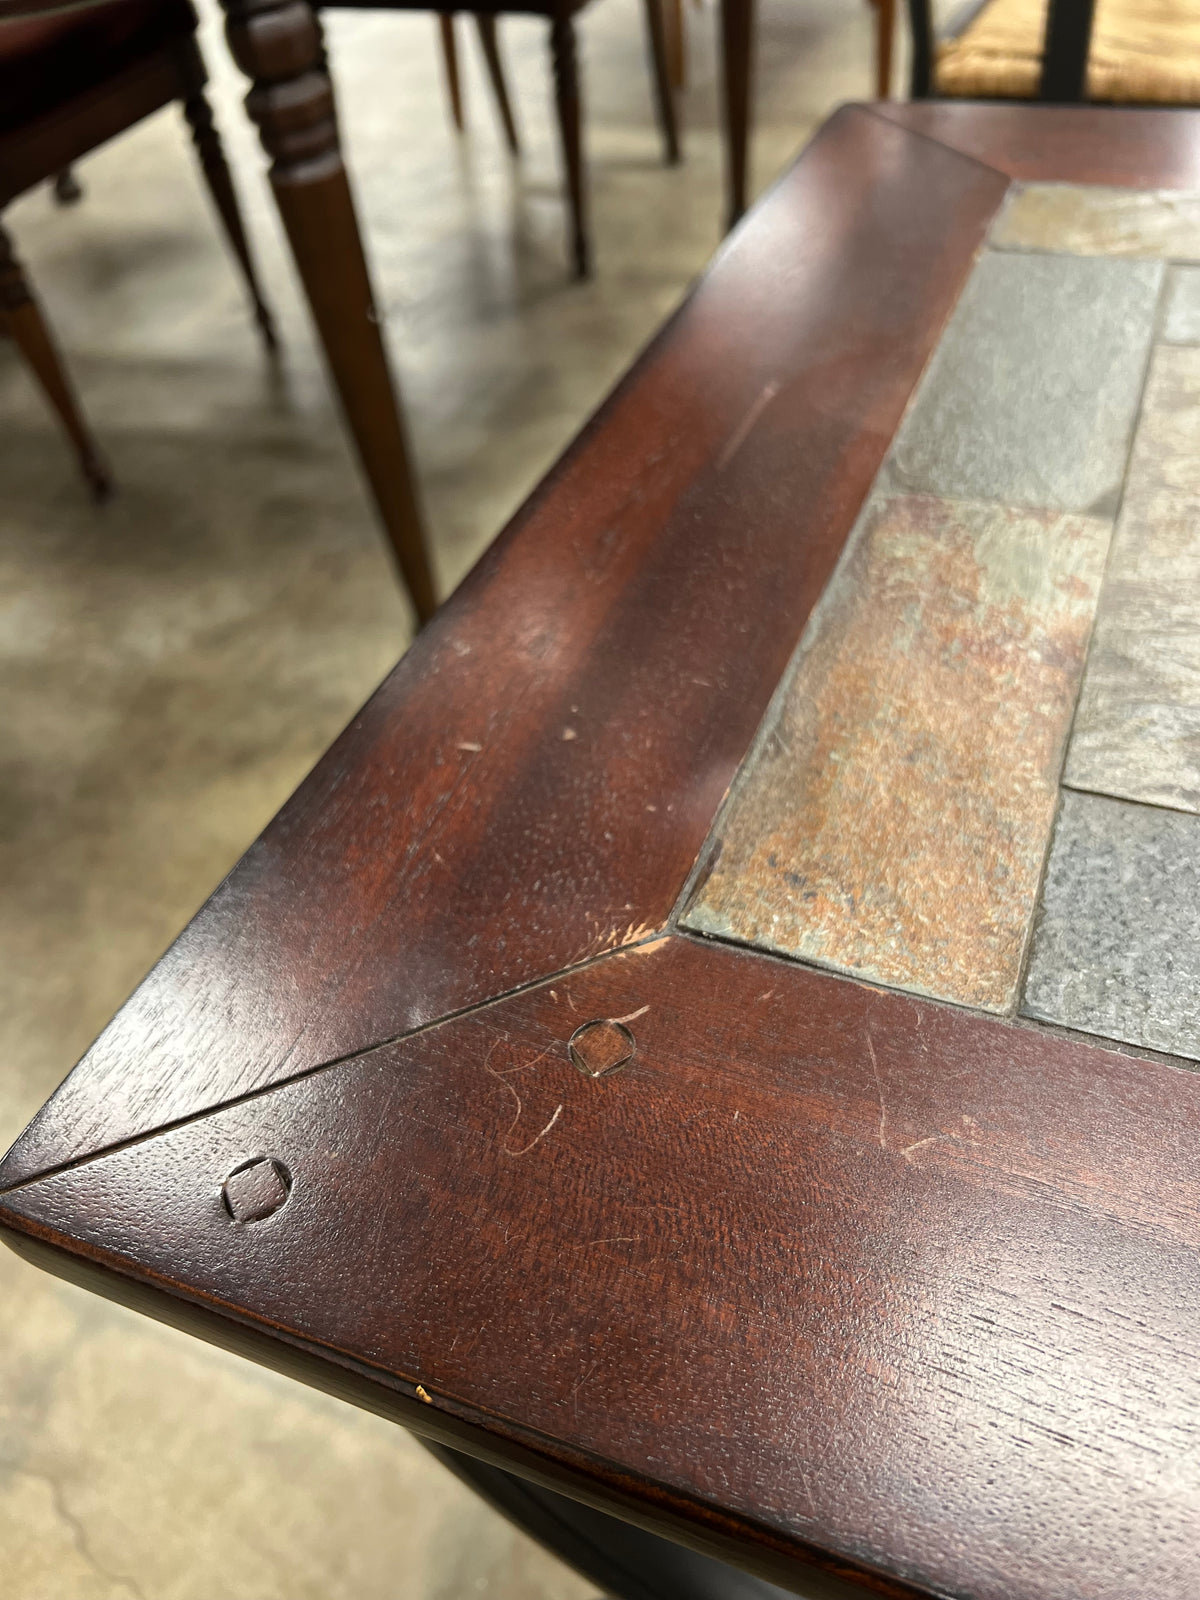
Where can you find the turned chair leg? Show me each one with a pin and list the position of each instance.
(485, 21)
(21, 316)
(220, 185)
(450, 64)
(664, 92)
(67, 190)
(566, 96)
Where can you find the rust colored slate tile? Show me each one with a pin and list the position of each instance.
(1092, 220)
(893, 819)
(1137, 730)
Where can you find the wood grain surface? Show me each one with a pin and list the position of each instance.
(1125, 148)
(885, 1285)
(533, 783)
(867, 1293)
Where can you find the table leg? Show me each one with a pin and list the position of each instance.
(278, 44)
(737, 38)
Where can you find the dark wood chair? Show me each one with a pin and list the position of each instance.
(737, 19)
(68, 83)
(560, 15)
(1133, 52)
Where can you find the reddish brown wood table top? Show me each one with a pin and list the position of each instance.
(727, 1056)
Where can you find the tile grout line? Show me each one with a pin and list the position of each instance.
(1153, 345)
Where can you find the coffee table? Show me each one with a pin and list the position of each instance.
(716, 1035)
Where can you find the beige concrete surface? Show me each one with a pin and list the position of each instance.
(172, 664)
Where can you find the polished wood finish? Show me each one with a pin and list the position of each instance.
(867, 1293)
(509, 720)
(277, 43)
(873, 1283)
(1128, 148)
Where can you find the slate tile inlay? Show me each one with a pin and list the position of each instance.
(1137, 730)
(1091, 220)
(1031, 395)
(893, 822)
(1117, 945)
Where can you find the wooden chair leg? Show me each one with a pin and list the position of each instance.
(885, 32)
(737, 48)
(279, 45)
(220, 185)
(485, 21)
(450, 64)
(22, 317)
(67, 190)
(664, 93)
(566, 94)
(676, 42)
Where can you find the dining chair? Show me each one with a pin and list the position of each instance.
(1126, 52)
(560, 14)
(69, 82)
(737, 29)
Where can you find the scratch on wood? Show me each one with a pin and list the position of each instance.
(933, 1138)
(883, 1144)
(579, 1383)
(525, 1151)
(633, 1015)
(742, 432)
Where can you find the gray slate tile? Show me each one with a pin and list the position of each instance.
(1117, 946)
(1181, 322)
(1137, 729)
(1030, 397)
(1092, 220)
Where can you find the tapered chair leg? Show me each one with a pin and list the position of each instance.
(21, 316)
(566, 95)
(885, 33)
(485, 21)
(220, 185)
(676, 42)
(664, 93)
(737, 41)
(450, 65)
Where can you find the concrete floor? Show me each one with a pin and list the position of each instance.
(171, 665)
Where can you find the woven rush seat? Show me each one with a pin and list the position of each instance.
(1143, 52)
